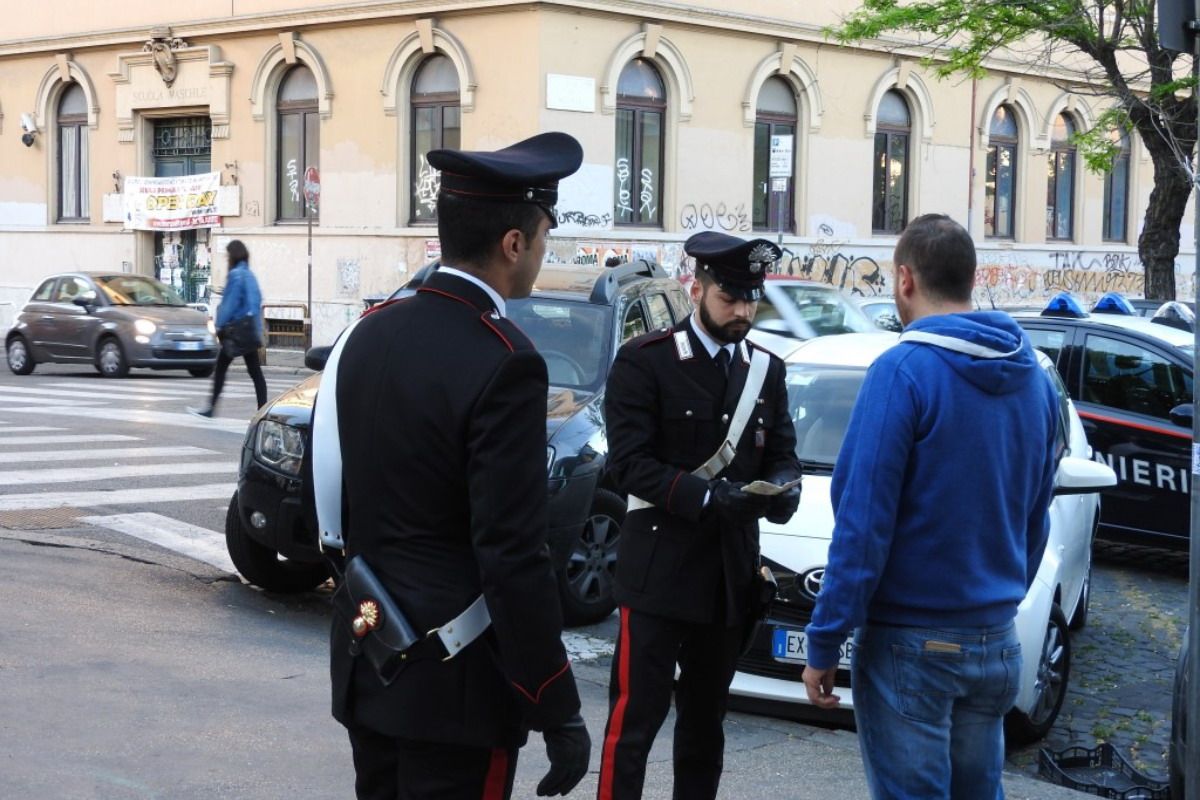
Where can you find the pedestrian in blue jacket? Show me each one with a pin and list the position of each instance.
(242, 298)
(941, 494)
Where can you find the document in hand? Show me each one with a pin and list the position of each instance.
(769, 489)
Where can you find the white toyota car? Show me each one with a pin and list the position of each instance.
(824, 376)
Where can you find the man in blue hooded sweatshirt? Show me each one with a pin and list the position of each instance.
(940, 495)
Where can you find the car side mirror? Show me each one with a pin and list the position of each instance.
(85, 301)
(889, 322)
(1181, 415)
(315, 357)
(1082, 476)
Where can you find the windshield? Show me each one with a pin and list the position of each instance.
(826, 311)
(820, 399)
(137, 290)
(574, 339)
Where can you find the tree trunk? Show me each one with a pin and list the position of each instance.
(1158, 244)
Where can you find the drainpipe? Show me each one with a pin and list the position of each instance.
(971, 158)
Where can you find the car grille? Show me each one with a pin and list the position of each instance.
(759, 661)
(199, 355)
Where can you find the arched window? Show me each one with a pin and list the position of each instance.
(299, 142)
(893, 125)
(641, 111)
(72, 155)
(1060, 190)
(1000, 184)
(1116, 191)
(776, 117)
(436, 123)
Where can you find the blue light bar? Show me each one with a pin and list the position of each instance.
(1114, 303)
(1063, 304)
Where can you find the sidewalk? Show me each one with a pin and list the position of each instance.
(286, 362)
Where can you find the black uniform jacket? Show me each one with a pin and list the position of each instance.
(441, 410)
(666, 415)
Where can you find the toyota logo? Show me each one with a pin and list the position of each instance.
(811, 581)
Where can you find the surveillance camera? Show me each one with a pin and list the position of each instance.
(27, 139)
(27, 124)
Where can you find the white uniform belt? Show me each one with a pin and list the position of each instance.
(465, 628)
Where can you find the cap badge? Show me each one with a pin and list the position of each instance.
(760, 256)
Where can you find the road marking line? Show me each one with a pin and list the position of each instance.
(581, 647)
(116, 497)
(103, 454)
(28, 477)
(24, 393)
(181, 537)
(165, 391)
(68, 438)
(141, 415)
(28, 429)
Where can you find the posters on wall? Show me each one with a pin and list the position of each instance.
(183, 202)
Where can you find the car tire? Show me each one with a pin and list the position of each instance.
(20, 360)
(110, 359)
(201, 372)
(585, 580)
(1053, 676)
(1080, 617)
(262, 566)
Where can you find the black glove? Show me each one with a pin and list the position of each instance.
(569, 749)
(783, 505)
(728, 500)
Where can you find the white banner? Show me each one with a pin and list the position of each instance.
(180, 203)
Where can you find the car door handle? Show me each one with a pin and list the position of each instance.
(47, 317)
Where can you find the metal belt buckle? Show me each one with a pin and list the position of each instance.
(438, 630)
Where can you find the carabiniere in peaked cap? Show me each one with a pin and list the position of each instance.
(526, 172)
(738, 266)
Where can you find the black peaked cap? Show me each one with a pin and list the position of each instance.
(738, 266)
(526, 172)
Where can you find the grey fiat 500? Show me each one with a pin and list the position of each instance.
(111, 320)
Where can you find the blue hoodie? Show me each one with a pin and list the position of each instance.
(942, 487)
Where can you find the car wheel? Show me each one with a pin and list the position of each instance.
(1080, 617)
(200, 372)
(585, 581)
(1053, 673)
(20, 360)
(110, 359)
(262, 566)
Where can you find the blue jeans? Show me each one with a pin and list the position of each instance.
(930, 708)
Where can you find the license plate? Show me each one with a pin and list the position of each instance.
(190, 345)
(792, 647)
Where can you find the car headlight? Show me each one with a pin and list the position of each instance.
(212, 328)
(279, 446)
(144, 327)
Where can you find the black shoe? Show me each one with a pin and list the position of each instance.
(200, 412)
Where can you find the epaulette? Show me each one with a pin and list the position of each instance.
(660, 335)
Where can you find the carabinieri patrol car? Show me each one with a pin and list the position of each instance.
(1131, 380)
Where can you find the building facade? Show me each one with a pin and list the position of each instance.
(692, 117)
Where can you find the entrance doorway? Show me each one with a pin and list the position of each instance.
(183, 146)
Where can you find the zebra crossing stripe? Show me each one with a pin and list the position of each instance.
(28, 429)
(72, 438)
(142, 415)
(36, 477)
(145, 388)
(102, 454)
(172, 534)
(115, 497)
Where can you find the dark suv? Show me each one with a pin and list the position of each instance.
(1131, 380)
(577, 317)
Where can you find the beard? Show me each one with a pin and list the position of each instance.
(730, 333)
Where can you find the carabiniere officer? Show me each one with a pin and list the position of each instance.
(688, 556)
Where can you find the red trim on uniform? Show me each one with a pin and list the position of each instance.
(496, 330)
(384, 304)
(617, 721)
(497, 775)
(538, 697)
(671, 491)
(665, 335)
(1153, 429)
(447, 294)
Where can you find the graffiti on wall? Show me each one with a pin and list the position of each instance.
(827, 260)
(714, 217)
(584, 220)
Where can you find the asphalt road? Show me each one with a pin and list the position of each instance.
(133, 664)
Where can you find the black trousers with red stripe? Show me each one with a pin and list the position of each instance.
(643, 669)
(388, 768)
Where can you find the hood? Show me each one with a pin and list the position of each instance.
(987, 348)
(812, 520)
(294, 407)
(562, 404)
(162, 315)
